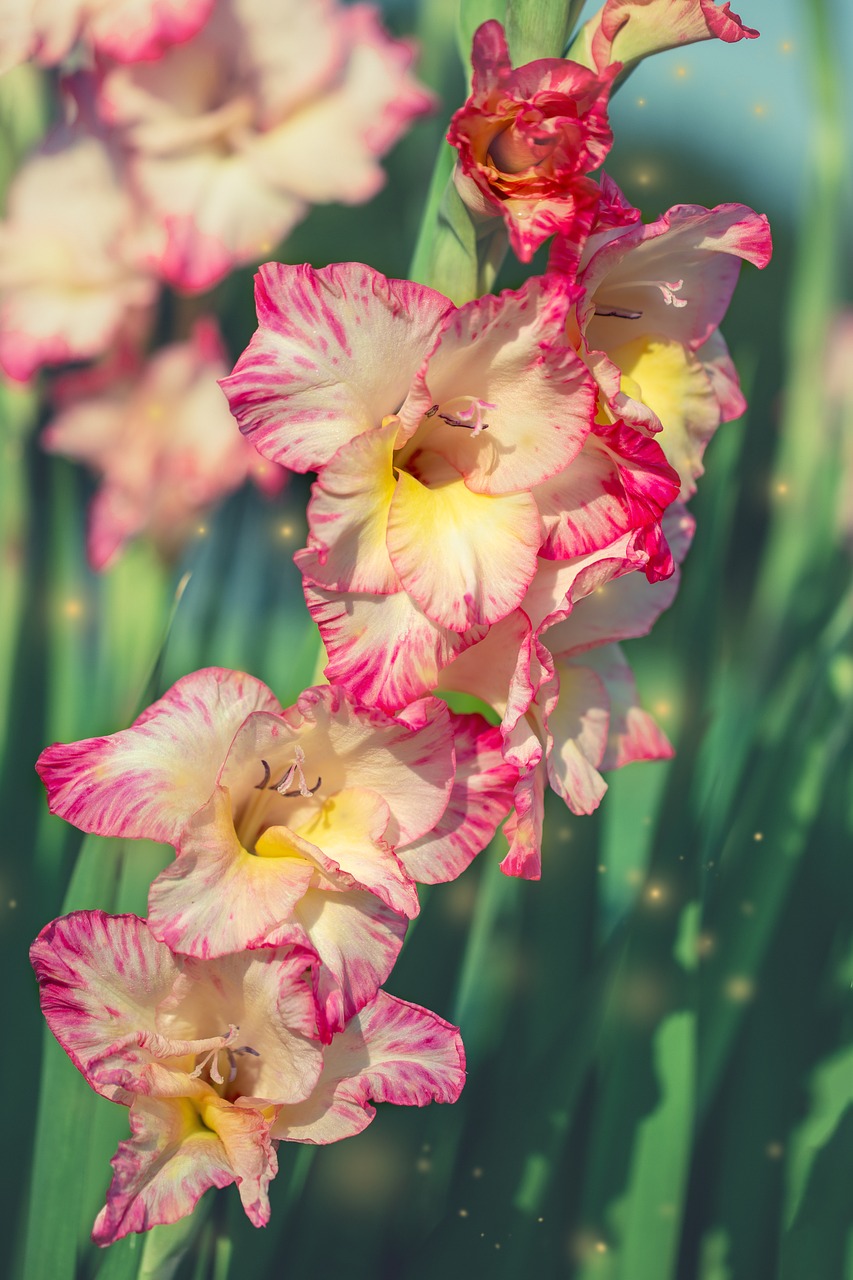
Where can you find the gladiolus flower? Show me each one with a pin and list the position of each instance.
(219, 1059)
(554, 672)
(453, 446)
(527, 138)
(127, 30)
(161, 437)
(311, 824)
(624, 31)
(72, 255)
(648, 321)
(234, 134)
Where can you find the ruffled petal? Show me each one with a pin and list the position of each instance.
(579, 725)
(173, 1157)
(350, 829)
(480, 800)
(679, 273)
(633, 733)
(268, 997)
(348, 517)
(466, 558)
(335, 352)
(390, 1052)
(538, 398)
(624, 606)
(148, 780)
(216, 897)
(101, 979)
(357, 938)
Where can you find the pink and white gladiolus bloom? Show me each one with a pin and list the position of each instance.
(554, 672)
(160, 437)
(127, 30)
(648, 321)
(624, 31)
(219, 1060)
(454, 446)
(527, 137)
(270, 109)
(72, 266)
(308, 826)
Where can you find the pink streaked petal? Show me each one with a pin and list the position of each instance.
(334, 354)
(579, 726)
(722, 374)
(509, 353)
(172, 1158)
(383, 649)
(523, 827)
(559, 585)
(480, 800)
(348, 517)
(216, 897)
(619, 481)
(627, 30)
(101, 979)
(135, 30)
(148, 780)
(570, 216)
(624, 606)
(392, 1051)
(695, 249)
(466, 558)
(357, 938)
(489, 669)
(634, 734)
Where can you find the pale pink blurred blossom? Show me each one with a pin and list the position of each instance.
(127, 30)
(160, 436)
(72, 255)
(233, 135)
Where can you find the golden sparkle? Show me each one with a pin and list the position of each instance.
(739, 988)
(73, 608)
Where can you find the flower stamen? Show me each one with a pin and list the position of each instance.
(210, 1061)
(620, 313)
(471, 418)
(295, 769)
